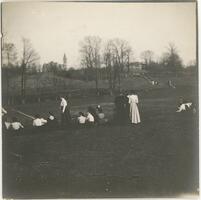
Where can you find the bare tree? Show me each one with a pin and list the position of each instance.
(29, 57)
(9, 54)
(9, 60)
(119, 52)
(90, 52)
(171, 59)
(147, 57)
(108, 58)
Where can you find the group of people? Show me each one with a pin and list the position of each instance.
(126, 111)
(16, 125)
(126, 105)
(93, 115)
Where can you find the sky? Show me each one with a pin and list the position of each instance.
(55, 28)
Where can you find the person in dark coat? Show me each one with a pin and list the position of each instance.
(65, 113)
(52, 121)
(121, 108)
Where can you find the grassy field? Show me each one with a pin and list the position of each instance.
(158, 158)
(48, 83)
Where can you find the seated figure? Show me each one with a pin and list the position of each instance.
(16, 125)
(38, 121)
(81, 118)
(89, 119)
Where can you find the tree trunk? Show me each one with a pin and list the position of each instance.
(128, 65)
(23, 83)
(7, 87)
(119, 78)
(109, 75)
(97, 79)
(87, 74)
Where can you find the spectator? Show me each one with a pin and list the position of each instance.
(101, 115)
(65, 113)
(51, 120)
(89, 119)
(38, 122)
(81, 118)
(92, 111)
(6, 124)
(16, 125)
(3, 111)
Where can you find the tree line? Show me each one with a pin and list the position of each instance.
(111, 60)
(117, 57)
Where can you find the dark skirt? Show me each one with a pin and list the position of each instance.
(66, 118)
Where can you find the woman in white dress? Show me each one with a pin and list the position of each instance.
(134, 112)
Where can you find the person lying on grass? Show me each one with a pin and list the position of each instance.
(184, 107)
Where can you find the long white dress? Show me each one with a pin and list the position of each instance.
(134, 112)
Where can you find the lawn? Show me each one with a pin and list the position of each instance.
(158, 158)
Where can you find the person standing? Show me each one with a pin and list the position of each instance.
(134, 112)
(121, 106)
(126, 108)
(65, 113)
(52, 121)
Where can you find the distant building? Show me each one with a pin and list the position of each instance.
(137, 68)
(65, 62)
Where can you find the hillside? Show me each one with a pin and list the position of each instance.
(47, 84)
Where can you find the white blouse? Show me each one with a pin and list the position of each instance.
(132, 99)
(63, 104)
(81, 119)
(39, 122)
(16, 126)
(90, 117)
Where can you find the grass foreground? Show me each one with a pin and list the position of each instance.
(157, 158)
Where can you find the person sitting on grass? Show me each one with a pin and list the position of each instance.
(16, 125)
(101, 115)
(89, 119)
(92, 111)
(81, 118)
(7, 124)
(38, 121)
(3, 111)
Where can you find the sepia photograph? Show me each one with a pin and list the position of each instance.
(99, 99)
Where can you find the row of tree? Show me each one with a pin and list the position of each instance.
(117, 55)
(29, 58)
(110, 61)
